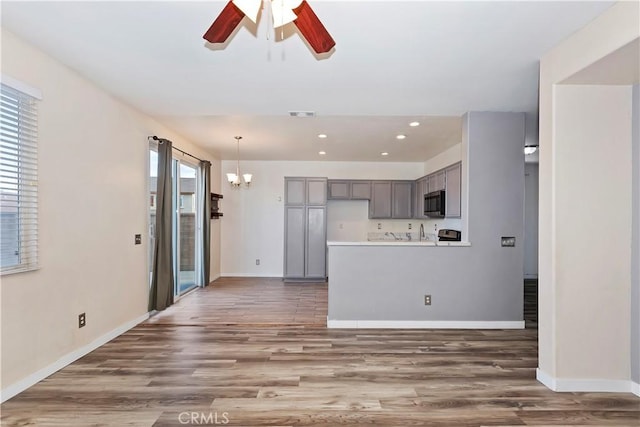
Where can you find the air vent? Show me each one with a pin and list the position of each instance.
(302, 113)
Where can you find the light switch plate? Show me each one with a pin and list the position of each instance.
(508, 241)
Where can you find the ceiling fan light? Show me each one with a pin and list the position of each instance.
(249, 7)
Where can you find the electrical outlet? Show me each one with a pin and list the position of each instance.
(379, 226)
(427, 300)
(82, 320)
(138, 239)
(258, 261)
(410, 226)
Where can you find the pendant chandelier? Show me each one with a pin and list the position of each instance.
(234, 178)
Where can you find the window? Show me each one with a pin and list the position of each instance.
(18, 178)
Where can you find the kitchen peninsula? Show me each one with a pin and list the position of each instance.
(476, 283)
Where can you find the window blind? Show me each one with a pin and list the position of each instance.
(18, 181)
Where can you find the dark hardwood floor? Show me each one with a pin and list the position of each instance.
(220, 356)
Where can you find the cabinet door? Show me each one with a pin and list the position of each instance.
(421, 189)
(436, 181)
(317, 191)
(339, 189)
(294, 243)
(316, 246)
(380, 205)
(294, 191)
(402, 196)
(361, 190)
(453, 191)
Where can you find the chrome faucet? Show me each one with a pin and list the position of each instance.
(422, 235)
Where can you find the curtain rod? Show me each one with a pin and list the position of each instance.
(161, 140)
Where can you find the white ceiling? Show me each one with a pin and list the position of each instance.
(394, 62)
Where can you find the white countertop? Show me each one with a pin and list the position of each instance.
(398, 243)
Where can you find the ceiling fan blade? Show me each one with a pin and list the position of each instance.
(312, 29)
(224, 24)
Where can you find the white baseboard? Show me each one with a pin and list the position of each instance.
(422, 324)
(587, 385)
(20, 386)
(266, 276)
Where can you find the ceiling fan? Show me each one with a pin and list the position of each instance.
(284, 11)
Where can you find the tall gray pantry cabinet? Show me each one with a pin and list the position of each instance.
(305, 229)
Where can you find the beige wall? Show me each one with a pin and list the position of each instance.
(93, 156)
(563, 227)
(593, 203)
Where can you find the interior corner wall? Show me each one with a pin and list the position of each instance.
(446, 158)
(635, 237)
(93, 197)
(593, 187)
(613, 29)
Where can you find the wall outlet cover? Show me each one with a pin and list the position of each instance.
(508, 241)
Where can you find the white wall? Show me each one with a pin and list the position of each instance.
(530, 220)
(253, 222)
(93, 197)
(567, 233)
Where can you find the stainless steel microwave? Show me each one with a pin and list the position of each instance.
(434, 203)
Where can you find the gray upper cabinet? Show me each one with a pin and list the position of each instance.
(339, 189)
(402, 198)
(422, 188)
(380, 205)
(361, 190)
(316, 191)
(295, 191)
(437, 181)
(305, 229)
(453, 191)
(391, 199)
(349, 189)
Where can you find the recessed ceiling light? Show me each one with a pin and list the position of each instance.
(322, 136)
(401, 136)
(384, 153)
(322, 153)
(414, 124)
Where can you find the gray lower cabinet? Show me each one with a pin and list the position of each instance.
(305, 229)
(453, 191)
(294, 241)
(316, 242)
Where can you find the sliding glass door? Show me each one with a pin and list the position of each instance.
(186, 238)
(185, 227)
